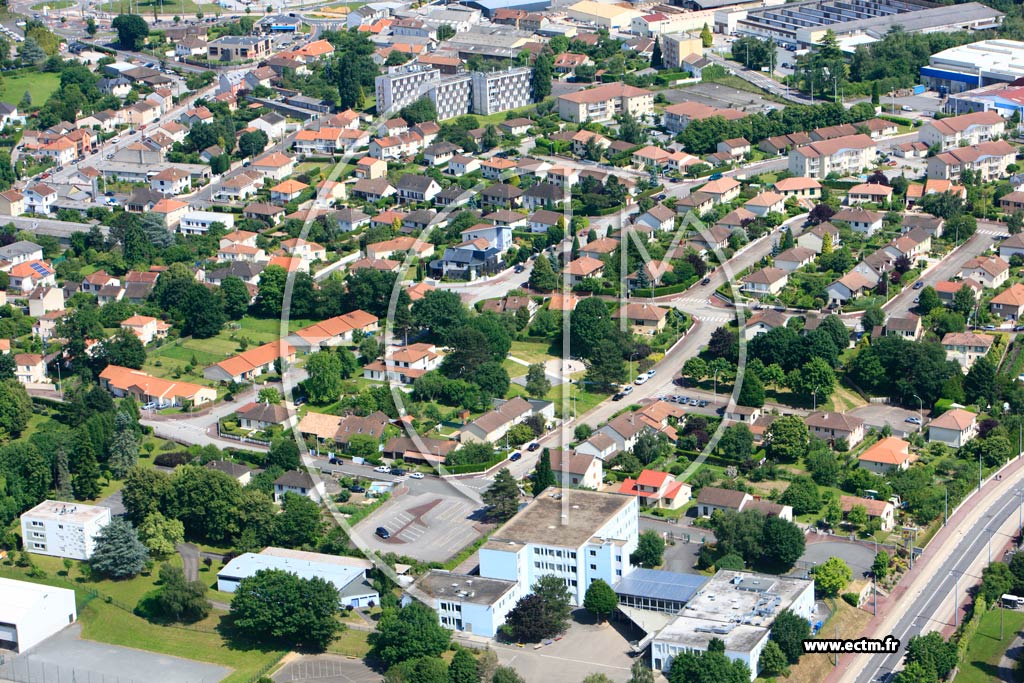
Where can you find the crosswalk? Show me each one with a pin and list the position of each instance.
(716, 318)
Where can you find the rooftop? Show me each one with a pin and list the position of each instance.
(70, 512)
(655, 583)
(246, 565)
(463, 588)
(567, 518)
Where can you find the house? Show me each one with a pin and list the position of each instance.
(766, 203)
(373, 190)
(947, 289)
(251, 363)
(420, 449)
(954, 427)
(20, 252)
(240, 187)
(303, 249)
(258, 416)
(711, 499)
(493, 425)
(544, 195)
(739, 413)
(832, 132)
(39, 198)
(200, 222)
(962, 131)
(888, 453)
(404, 365)
(518, 126)
(502, 195)
(289, 190)
(882, 510)
(28, 275)
(512, 304)
(30, 368)
(645, 319)
(43, 300)
(300, 483)
(763, 321)
(872, 193)
(907, 326)
(1009, 303)
(657, 489)
(12, 203)
(678, 116)
(846, 155)
(988, 160)
(171, 210)
(834, 427)
(582, 268)
(990, 271)
(399, 246)
(240, 472)
(573, 470)
(794, 258)
(154, 392)
(722, 191)
(1012, 246)
(764, 282)
(460, 165)
(737, 148)
(861, 220)
(440, 153)
(496, 236)
(372, 425)
(799, 187)
(653, 272)
(60, 529)
(417, 188)
(276, 166)
(915, 191)
(147, 328)
(966, 347)
(625, 429)
(371, 168)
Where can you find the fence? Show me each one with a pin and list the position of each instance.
(28, 670)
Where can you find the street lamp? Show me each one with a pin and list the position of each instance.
(956, 589)
(815, 395)
(920, 413)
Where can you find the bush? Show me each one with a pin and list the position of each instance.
(172, 459)
(851, 599)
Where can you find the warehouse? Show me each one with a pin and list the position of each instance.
(601, 15)
(31, 612)
(972, 66)
(346, 573)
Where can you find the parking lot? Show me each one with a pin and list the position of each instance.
(721, 96)
(431, 522)
(326, 669)
(858, 557)
(878, 415)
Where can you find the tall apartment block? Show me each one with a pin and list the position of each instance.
(497, 91)
(452, 96)
(402, 86)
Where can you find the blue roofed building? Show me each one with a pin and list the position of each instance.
(489, 7)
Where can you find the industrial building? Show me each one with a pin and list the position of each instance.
(1001, 98)
(32, 612)
(804, 23)
(62, 529)
(972, 66)
(737, 608)
(348, 574)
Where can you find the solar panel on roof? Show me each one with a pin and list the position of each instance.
(40, 269)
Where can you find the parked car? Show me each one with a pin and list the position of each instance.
(619, 396)
(627, 390)
(516, 456)
(519, 268)
(533, 446)
(919, 284)
(906, 107)
(416, 475)
(913, 420)
(383, 469)
(356, 488)
(398, 472)
(706, 281)
(702, 403)
(383, 533)
(642, 379)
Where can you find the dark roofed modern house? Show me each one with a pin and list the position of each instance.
(300, 483)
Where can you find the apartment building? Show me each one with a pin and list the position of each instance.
(402, 86)
(498, 91)
(452, 96)
(987, 159)
(62, 529)
(843, 155)
(605, 102)
(239, 48)
(967, 129)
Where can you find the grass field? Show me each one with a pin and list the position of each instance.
(53, 4)
(981, 663)
(351, 643)
(40, 85)
(531, 351)
(850, 622)
(145, 7)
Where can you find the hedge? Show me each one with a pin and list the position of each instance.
(474, 466)
(666, 290)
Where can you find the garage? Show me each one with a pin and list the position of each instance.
(30, 613)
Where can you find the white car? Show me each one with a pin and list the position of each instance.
(652, 372)
(383, 469)
(627, 390)
(416, 475)
(642, 379)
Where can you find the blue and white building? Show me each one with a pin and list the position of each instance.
(575, 534)
(348, 574)
(967, 67)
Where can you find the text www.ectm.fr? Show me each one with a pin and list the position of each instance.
(887, 645)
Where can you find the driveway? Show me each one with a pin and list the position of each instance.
(878, 415)
(67, 657)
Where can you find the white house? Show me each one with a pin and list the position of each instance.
(301, 483)
(954, 427)
(199, 222)
(62, 529)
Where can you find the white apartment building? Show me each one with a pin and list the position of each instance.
(63, 529)
(498, 91)
(988, 160)
(575, 534)
(844, 155)
(967, 129)
(403, 85)
(199, 222)
(452, 96)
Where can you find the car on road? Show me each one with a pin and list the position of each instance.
(356, 488)
(515, 456)
(519, 268)
(651, 373)
(533, 446)
(913, 420)
(660, 197)
(398, 472)
(383, 469)
(383, 533)
(619, 396)
(989, 328)
(627, 390)
(919, 284)
(702, 403)
(715, 176)
(706, 281)
(906, 107)
(416, 475)
(642, 379)
(917, 299)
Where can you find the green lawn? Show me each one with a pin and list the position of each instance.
(532, 351)
(53, 4)
(351, 643)
(39, 84)
(145, 7)
(981, 663)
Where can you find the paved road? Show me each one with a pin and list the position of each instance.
(189, 560)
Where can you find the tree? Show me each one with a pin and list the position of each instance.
(789, 632)
(543, 477)
(784, 542)
(979, 384)
(502, 496)
(15, 409)
(537, 383)
(873, 317)
(85, 483)
(711, 666)
(160, 534)
(600, 599)
(524, 621)
(706, 37)
(346, 77)
(802, 493)
(463, 668)
(880, 567)
(597, 678)
(787, 438)
(408, 633)
(914, 673)
(657, 59)
(30, 53)
(179, 599)
(695, 368)
(279, 607)
(964, 301)
(540, 78)
(751, 392)
(932, 652)
(650, 446)
(440, 311)
(299, 523)
(773, 661)
(419, 111)
(543, 277)
(640, 673)
(737, 442)
(284, 453)
(132, 31)
(506, 674)
(124, 447)
(154, 226)
(1015, 222)
(324, 383)
(831, 577)
(544, 613)
(996, 581)
(876, 93)
(252, 143)
(650, 548)
(145, 492)
(118, 554)
(928, 300)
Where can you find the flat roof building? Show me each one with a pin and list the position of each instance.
(971, 66)
(63, 529)
(348, 577)
(31, 612)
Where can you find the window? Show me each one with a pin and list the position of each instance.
(593, 567)
(593, 553)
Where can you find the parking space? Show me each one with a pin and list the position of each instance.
(66, 657)
(431, 522)
(721, 96)
(858, 557)
(878, 415)
(326, 669)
